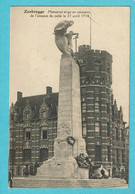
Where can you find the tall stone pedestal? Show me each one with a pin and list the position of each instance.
(64, 165)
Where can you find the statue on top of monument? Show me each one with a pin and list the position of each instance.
(63, 39)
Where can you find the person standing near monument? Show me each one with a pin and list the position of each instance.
(35, 168)
(10, 179)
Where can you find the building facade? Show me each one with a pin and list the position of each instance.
(102, 123)
(33, 128)
(33, 120)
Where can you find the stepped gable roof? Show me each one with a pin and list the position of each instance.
(35, 103)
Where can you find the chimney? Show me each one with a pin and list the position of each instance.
(48, 90)
(19, 96)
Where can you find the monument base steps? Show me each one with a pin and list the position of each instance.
(62, 169)
(40, 182)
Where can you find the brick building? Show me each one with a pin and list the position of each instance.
(102, 123)
(33, 120)
(33, 127)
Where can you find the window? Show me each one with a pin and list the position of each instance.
(83, 90)
(108, 68)
(117, 136)
(15, 116)
(11, 133)
(97, 128)
(27, 155)
(122, 156)
(82, 81)
(117, 155)
(96, 117)
(108, 129)
(96, 98)
(44, 134)
(97, 61)
(98, 156)
(97, 80)
(108, 92)
(92, 80)
(27, 135)
(43, 154)
(83, 119)
(108, 108)
(83, 107)
(84, 129)
(96, 90)
(83, 68)
(109, 155)
(11, 155)
(97, 68)
(44, 114)
(122, 135)
(96, 106)
(27, 114)
(83, 99)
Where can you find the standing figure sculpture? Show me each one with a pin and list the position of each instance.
(63, 39)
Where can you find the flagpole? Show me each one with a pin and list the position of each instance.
(90, 28)
(91, 20)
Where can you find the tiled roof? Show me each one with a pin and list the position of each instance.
(35, 103)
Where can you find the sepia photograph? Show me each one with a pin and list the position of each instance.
(69, 97)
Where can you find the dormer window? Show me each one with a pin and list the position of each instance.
(44, 110)
(27, 114)
(27, 111)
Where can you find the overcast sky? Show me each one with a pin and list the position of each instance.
(35, 59)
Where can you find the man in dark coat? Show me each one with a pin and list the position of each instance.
(10, 179)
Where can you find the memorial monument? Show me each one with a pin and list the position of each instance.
(69, 143)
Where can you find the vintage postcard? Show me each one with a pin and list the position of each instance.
(69, 122)
(67, 97)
